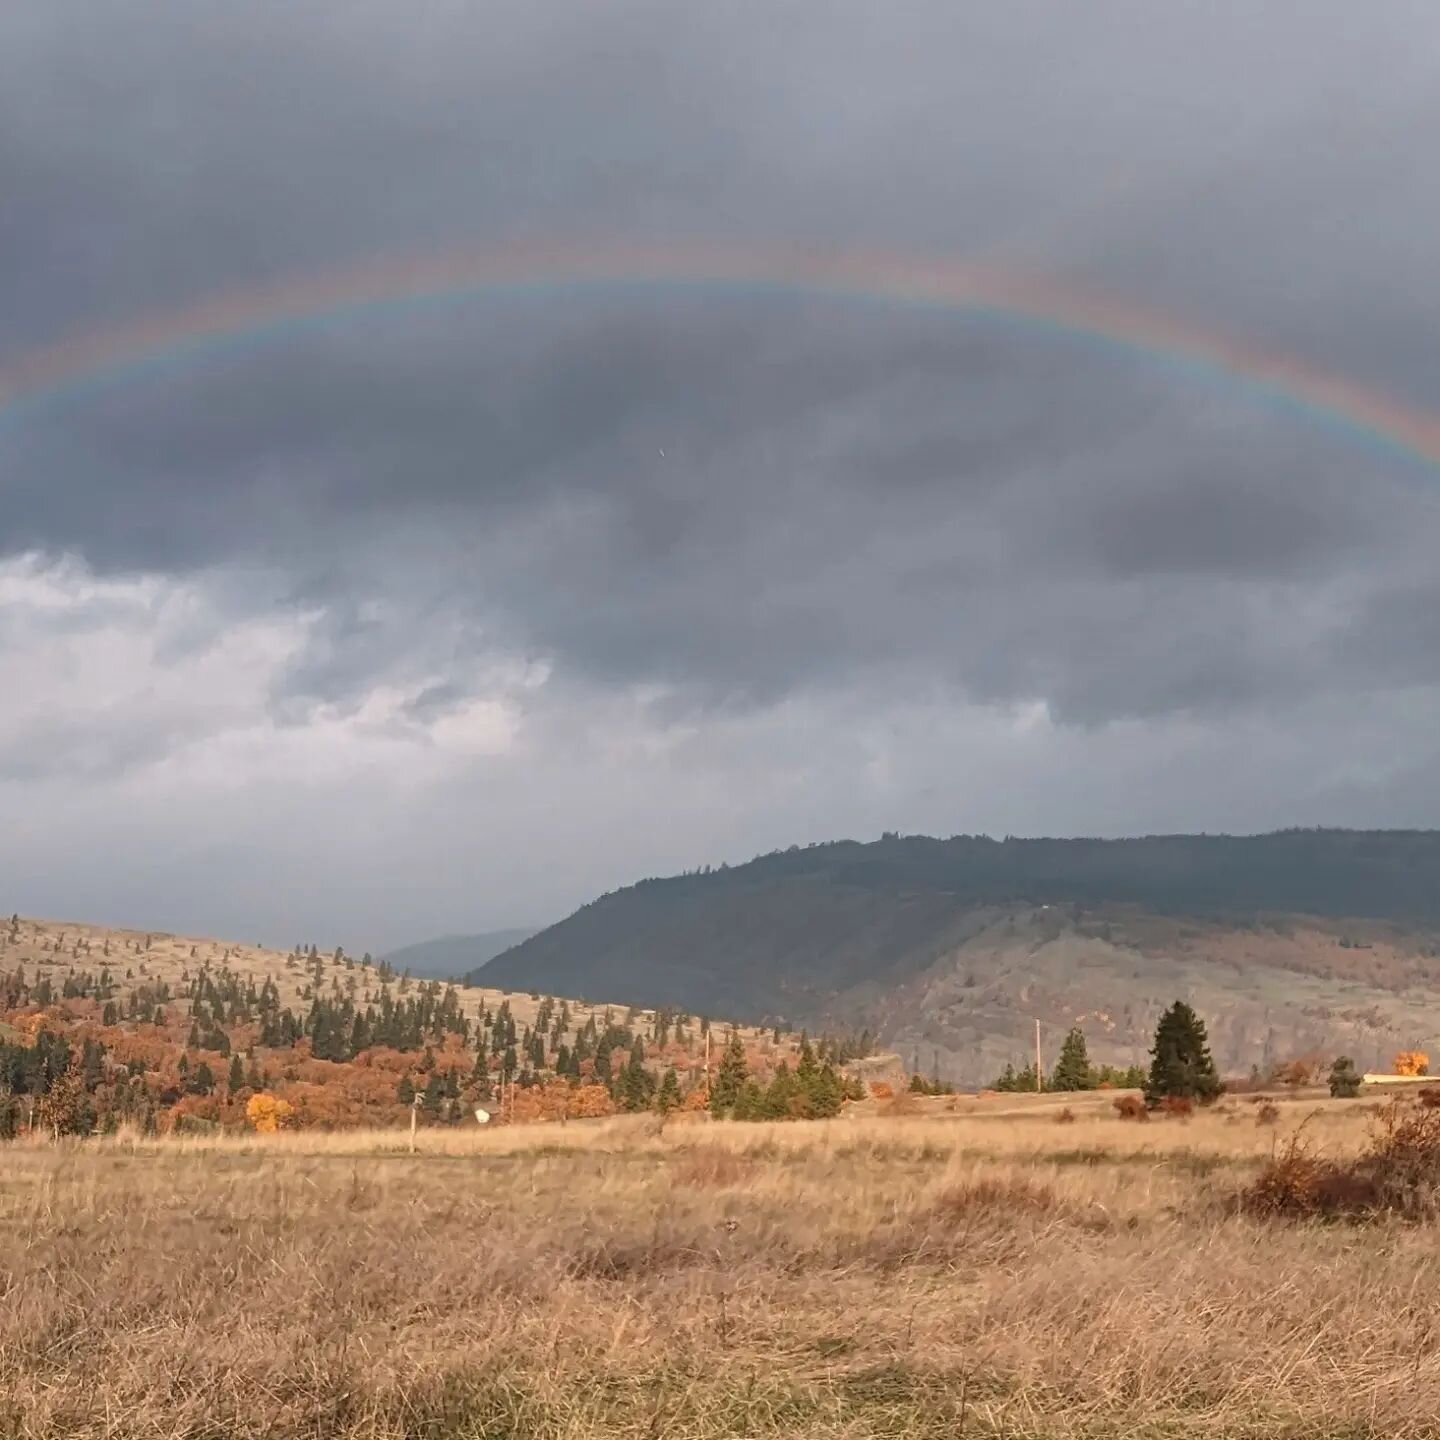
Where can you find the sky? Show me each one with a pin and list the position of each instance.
(447, 617)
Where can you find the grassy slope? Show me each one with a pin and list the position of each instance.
(985, 1275)
(54, 947)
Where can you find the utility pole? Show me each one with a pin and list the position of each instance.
(1038, 1085)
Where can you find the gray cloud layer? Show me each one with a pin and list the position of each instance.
(489, 552)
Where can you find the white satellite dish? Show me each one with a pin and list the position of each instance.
(483, 1116)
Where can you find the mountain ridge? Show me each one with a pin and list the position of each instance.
(1291, 940)
(449, 956)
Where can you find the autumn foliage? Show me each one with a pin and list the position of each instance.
(1410, 1062)
(267, 1114)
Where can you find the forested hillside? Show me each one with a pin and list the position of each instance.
(101, 1028)
(951, 948)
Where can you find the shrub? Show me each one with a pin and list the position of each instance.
(1429, 1096)
(1267, 1114)
(1065, 1116)
(1178, 1107)
(1397, 1174)
(1130, 1107)
(1297, 1183)
(1344, 1079)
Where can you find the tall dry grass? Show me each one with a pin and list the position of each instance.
(858, 1278)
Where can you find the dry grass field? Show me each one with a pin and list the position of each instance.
(988, 1274)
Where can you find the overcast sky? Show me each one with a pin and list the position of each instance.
(450, 619)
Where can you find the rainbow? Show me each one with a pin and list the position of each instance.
(74, 366)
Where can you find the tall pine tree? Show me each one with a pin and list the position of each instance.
(1180, 1062)
(730, 1078)
(1072, 1070)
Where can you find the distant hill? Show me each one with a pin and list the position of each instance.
(451, 956)
(950, 948)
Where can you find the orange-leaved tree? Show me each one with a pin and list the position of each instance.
(65, 1109)
(267, 1113)
(1411, 1062)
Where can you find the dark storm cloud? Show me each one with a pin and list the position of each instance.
(738, 499)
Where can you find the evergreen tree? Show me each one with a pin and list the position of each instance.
(1072, 1070)
(637, 1085)
(827, 1093)
(668, 1098)
(783, 1098)
(405, 1091)
(730, 1078)
(1180, 1062)
(1021, 1081)
(750, 1102)
(236, 1079)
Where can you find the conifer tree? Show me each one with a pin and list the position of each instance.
(1072, 1070)
(827, 1093)
(784, 1097)
(807, 1069)
(236, 1078)
(730, 1078)
(668, 1098)
(1180, 1063)
(637, 1085)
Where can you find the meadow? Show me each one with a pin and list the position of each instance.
(990, 1273)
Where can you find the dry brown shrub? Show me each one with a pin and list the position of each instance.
(712, 1167)
(1403, 1161)
(1065, 1116)
(1130, 1107)
(1177, 1107)
(1397, 1174)
(1267, 1114)
(1429, 1097)
(1297, 1183)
